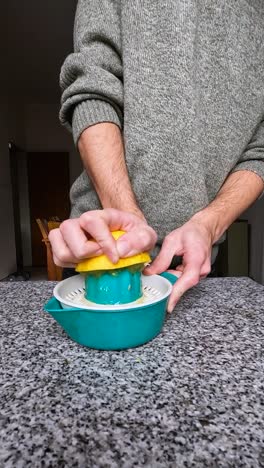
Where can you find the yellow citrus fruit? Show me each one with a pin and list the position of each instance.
(102, 262)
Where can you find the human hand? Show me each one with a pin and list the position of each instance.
(71, 242)
(193, 241)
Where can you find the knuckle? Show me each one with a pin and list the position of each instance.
(86, 218)
(109, 211)
(53, 234)
(143, 236)
(62, 256)
(65, 225)
(57, 261)
(168, 240)
(106, 243)
(153, 235)
(206, 270)
(195, 279)
(192, 280)
(147, 237)
(198, 258)
(80, 251)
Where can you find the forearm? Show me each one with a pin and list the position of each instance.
(238, 192)
(102, 152)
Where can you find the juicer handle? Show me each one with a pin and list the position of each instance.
(169, 276)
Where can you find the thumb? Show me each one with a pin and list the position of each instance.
(161, 262)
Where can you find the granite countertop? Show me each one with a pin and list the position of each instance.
(193, 397)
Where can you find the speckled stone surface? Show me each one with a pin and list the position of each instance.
(193, 397)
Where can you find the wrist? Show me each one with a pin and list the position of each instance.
(128, 208)
(136, 211)
(212, 222)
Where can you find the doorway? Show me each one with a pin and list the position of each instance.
(48, 191)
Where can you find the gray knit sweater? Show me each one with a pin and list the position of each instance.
(184, 80)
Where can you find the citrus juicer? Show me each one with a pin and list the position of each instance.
(109, 283)
(112, 308)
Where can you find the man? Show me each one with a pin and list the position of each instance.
(165, 100)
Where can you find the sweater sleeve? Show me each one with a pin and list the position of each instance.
(91, 77)
(252, 158)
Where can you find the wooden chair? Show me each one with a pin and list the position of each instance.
(54, 272)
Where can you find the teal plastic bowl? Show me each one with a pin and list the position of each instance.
(116, 327)
(118, 286)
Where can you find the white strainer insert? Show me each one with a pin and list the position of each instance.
(70, 293)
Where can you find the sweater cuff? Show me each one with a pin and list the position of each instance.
(91, 112)
(253, 166)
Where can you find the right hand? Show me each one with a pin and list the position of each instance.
(72, 241)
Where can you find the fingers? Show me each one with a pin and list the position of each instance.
(189, 278)
(63, 264)
(170, 247)
(72, 241)
(178, 271)
(99, 226)
(140, 239)
(62, 255)
(139, 235)
(77, 240)
(193, 243)
(70, 245)
(206, 268)
(196, 268)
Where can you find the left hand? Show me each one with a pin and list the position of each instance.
(193, 242)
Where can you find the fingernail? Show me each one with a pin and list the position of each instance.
(147, 270)
(114, 257)
(170, 308)
(122, 248)
(150, 267)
